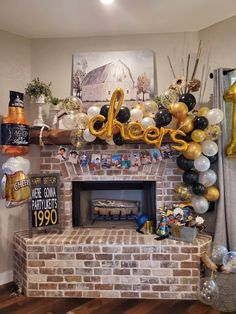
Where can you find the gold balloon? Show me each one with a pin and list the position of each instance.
(150, 107)
(198, 135)
(187, 124)
(203, 111)
(183, 192)
(193, 151)
(179, 110)
(212, 194)
(230, 96)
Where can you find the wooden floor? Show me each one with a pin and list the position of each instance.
(23, 305)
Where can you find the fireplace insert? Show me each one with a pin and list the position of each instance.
(111, 204)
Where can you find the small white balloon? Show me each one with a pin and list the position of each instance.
(202, 163)
(215, 116)
(110, 141)
(208, 178)
(200, 204)
(69, 121)
(88, 137)
(93, 111)
(209, 148)
(136, 115)
(147, 121)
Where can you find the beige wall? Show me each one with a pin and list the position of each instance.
(52, 58)
(15, 69)
(219, 42)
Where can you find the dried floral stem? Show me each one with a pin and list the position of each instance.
(187, 72)
(202, 77)
(199, 50)
(173, 72)
(183, 66)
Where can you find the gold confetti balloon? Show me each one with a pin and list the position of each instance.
(150, 107)
(212, 132)
(82, 120)
(76, 138)
(183, 192)
(139, 106)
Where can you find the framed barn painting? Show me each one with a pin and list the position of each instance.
(97, 74)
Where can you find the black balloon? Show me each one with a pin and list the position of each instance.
(117, 139)
(104, 110)
(212, 159)
(163, 117)
(198, 189)
(190, 177)
(212, 206)
(187, 138)
(189, 100)
(200, 123)
(123, 115)
(98, 125)
(184, 163)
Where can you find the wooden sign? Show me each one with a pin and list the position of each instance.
(44, 207)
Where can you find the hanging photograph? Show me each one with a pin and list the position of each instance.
(97, 74)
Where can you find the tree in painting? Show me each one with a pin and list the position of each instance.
(79, 75)
(143, 85)
(77, 82)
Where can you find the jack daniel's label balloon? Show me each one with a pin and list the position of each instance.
(15, 134)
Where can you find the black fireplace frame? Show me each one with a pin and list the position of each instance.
(149, 188)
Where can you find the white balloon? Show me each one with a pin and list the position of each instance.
(88, 137)
(69, 121)
(209, 148)
(202, 163)
(110, 141)
(208, 178)
(147, 121)
(215, 116)
(136, 115)
(93, 111)
(200, 204)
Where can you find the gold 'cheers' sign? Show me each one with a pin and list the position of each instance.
(134, 130)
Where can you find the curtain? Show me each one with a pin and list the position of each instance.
(225, 228)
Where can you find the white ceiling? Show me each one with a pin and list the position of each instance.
(75, 18)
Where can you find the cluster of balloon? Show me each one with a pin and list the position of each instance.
(201, 153)
(15, 184)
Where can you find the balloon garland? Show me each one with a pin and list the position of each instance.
(195, 137)
(201, 153)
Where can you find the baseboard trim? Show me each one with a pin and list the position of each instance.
(6, 277)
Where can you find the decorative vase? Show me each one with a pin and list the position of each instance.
(40, 99)
(53, 111)
(39, 121)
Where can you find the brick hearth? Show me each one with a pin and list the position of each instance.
(103, 263)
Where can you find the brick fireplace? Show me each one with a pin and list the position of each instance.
(106, 262)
